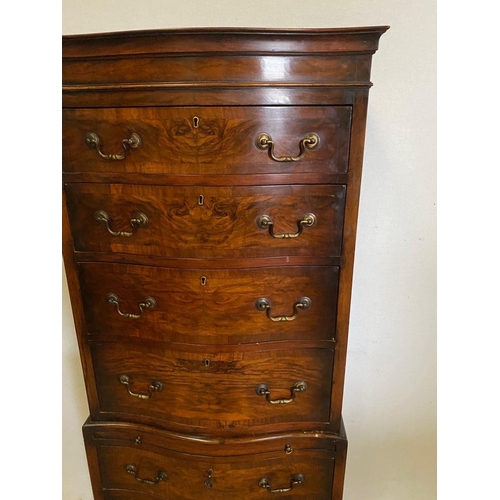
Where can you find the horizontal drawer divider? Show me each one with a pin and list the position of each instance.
(215, 348)
(191, 427)
(219, 458)
(288, 179)
(121, 431)
(222, 263)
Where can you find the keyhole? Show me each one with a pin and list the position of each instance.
(208, 480)
(200, 199)
(288, 449)
(207, 363)
(196, 121)
(203, 281)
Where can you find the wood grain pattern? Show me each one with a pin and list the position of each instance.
(220, 393)
(77, 307)
(206, 68)
(151, 260)
(349, 244)
(137, 438)
(223, 143)
(154, 439)
(224, 94)
(206, 180)
(223, 40)
(231, 478)
(222, 226)
(208, 342)
(220, 312)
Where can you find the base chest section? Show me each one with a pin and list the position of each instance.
(137, 462)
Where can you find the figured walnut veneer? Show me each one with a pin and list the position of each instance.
(211, 181)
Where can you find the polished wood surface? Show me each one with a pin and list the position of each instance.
(237, 464)
(202, 69)
(203, 140)
(357, 40)
(152, 438)
(212, 389)
(231, 477)
(222, 94)
(209, 306)
(207, 222)
(198, 99)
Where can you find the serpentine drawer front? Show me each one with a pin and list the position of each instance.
(207, 140)
(212, 389)
(309, 475)
(207, 222)
(137, 464)
(209, 306)
(211, 182)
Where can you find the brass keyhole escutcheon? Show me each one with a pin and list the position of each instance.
(208, 480)
(203, 281)
(206, 363)
(201, 199)
(288, 449)
(196, 121)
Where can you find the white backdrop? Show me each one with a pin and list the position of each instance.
(389, 402)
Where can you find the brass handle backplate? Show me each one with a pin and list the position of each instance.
(263, 390)
(264, 141)
(296, 480)
(93, 142)
(302, 303)
(147, 303)
(266, 222)
(161, 476)
(139, 220)
(156, 385)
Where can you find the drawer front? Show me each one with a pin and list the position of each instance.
(213, 389)
(203, 222)
(127, 473)
(210, 306)
(215, 140)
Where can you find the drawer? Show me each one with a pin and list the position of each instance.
(307, 475)
(212, 389)
(207, 140)
(137, 462)
(210, 306)
(207, 222)
(112, 446)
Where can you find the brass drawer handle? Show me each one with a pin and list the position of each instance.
(296, 480)
(263, 390)
(148, 303)
(156, 385)
(264, 141)
(302, 303)
(161, 476)
(139, 220)
(266, 222)
(133, 142)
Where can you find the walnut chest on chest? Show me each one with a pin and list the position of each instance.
(211, 181)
